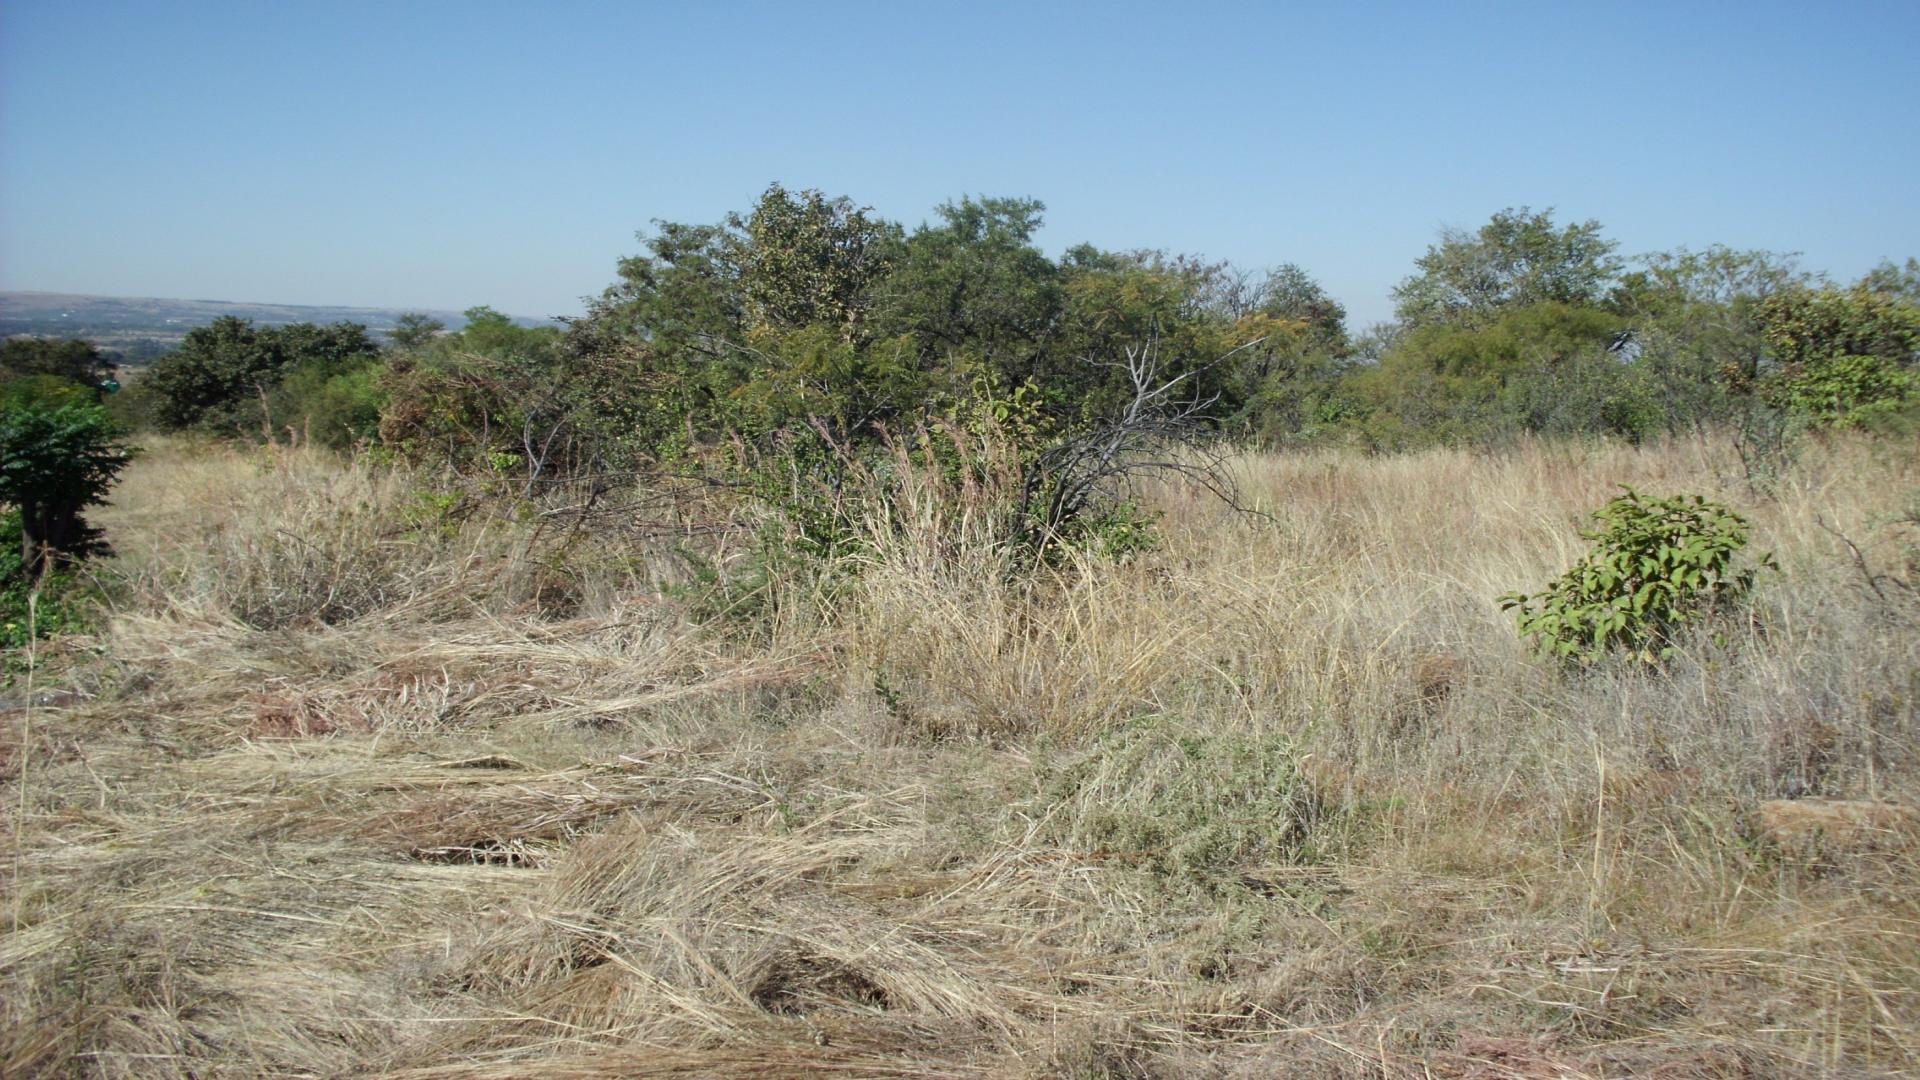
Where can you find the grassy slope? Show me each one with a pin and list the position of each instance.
(349, 789)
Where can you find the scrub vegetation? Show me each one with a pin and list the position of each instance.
(855, 650)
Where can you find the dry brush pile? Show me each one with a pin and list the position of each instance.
(356, 780)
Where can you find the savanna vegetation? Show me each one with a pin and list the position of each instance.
(868, 650)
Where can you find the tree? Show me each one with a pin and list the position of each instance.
(664, 337)
(1115, 302)
(54, 462)
(1806, 326)
(76, 361)
(221, 375)
(414, 330)
(1543, 367)
(810, 260)
(211, 370)
(1898, 282)
(1694, 328)
(1840, 357)
(973, 284)
(1516, 259)
(1291, 294)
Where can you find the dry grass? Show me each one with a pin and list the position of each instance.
(352, 783)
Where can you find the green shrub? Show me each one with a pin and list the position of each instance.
(336, 409)
(55, 461)
(222, 375)
(1843, 391)
(1657, 565)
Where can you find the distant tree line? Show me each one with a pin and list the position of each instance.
(810, 316)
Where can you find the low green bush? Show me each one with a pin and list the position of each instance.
(1657, 565)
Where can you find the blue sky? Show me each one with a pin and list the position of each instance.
(442, 155)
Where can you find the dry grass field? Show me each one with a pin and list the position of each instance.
(347, 785)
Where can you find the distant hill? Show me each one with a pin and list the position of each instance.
(140, 328)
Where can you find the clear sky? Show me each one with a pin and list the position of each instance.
(440, 155)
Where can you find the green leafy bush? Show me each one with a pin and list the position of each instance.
(1657, 565)
(336, 409)
(47, 391)
(1843, 391)
(55, 461)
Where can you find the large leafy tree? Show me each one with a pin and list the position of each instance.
(1543, 367)
(1805, 326)
(1290, 382)
(810, 312)
(667, 334)
(1517, 258)
(221, 376)
(414, 330)
(1116, 302)
(972, 286)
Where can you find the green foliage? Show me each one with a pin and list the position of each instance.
(60, 608)
(336, 410)
(814, 376)
(1695, 328)
(810, 260)
(414, 330)
(1196, 811)
(50, 391)
(77, 362)
(1114, 530)
(221, 378)
(1844, 391)
(1900, 282)
(1657, 565)
(1518, 258)
(975, 282)
(494, 389)
(1840, 358)
(1805, 326)
(1131, 300)
(1542, 368)
(54, 462)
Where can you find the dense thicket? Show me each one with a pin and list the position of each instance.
(808, 317)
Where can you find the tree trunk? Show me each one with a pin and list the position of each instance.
(48, 530)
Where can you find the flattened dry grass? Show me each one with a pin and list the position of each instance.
(354, 782)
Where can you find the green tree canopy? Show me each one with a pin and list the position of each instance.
(414, 330)
(61, 358)
(1516, 259)
(808, 260)
(222, 373)
(973, 282)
